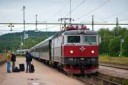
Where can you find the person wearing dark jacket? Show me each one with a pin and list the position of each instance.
(13, 59)
(28, 61)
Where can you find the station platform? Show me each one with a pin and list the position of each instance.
(43, 75)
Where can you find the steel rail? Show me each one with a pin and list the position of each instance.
(105, 81)
(91, 80)
(114, 66)
(94, 80)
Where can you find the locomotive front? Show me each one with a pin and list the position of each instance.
(80, 51)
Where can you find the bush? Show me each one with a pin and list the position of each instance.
(114, 47)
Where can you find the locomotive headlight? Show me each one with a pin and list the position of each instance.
(92, 51)
(71, 51)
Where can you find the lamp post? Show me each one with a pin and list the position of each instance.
(11, 25)
(121, 43)
(93, 22)
(36, 30)
(46, 28)
(21, 44)
(24, 21)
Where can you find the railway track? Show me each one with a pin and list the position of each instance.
(94, 80)
(91, 79)
(99, 79)
(115, 66)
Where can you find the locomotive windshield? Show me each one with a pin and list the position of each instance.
(73, 39)
(90, 39)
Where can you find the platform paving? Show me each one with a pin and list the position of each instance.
(43, 75)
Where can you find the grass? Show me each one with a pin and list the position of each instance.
(113, 60)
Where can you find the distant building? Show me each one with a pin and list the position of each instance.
(21, 52)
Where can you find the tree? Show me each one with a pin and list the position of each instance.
(12, 41)
(106, 36)
(114, 47)
(125, 45)
(118, 31)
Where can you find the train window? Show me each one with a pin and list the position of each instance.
(73, 39)
(90, 39)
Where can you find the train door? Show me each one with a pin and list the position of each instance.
(52, 50)
(50, 43)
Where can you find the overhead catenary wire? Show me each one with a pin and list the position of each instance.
(124, 19)
(5, 17)
(63, 7)
(61, 10)
(101, 19)
(16, 28)
(94, 9)
(76, 7)
(116, 15)
(49, 27)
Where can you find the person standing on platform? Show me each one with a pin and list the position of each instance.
(13, 59)
(8, 60)
(28, 61)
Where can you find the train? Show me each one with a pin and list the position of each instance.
(21, 52)
(75, 50)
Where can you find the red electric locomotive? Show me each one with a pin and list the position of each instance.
(75, 50)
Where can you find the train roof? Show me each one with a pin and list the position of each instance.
(37, 45)
(75, 32)
(66, 32)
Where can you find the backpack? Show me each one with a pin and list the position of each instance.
(31, 69)
(16, 69)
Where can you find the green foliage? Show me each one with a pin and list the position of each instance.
(28, 43)
(106, 36)
(118, 31)
(105, 32)
(12, 41)
(104, 49)
(125, 82)
(125, 46)
(113, 60)
(114, 47)
(111, 41)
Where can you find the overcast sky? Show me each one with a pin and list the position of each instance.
(51, 10)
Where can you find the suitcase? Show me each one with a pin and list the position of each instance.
(21, 67)
(31, 69)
